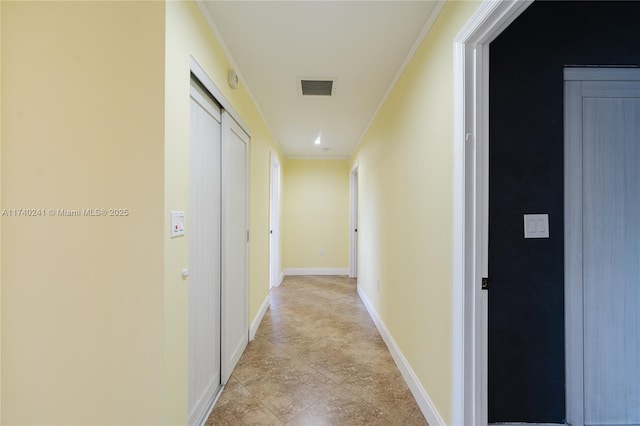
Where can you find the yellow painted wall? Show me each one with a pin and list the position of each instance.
(0, 210)
(187, 34)
(405, 169)
(82, 113)
(315, 214)
(95, 114)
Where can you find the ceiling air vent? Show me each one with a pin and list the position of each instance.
(316, 87)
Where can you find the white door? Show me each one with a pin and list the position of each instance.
(274, 223)
(602, 245)
(353, 232)
(204, 254)
(235, 235)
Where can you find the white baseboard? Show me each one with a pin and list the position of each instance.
(203, 420)
(528, 424)
(424, 402)
(316, 271)
(258, 318)
(280, 279)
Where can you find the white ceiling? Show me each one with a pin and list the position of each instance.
(362, 45)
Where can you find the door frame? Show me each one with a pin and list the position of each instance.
(275, 275)
(470, 205)
(208, 84)
(353, 223)
(227, 110)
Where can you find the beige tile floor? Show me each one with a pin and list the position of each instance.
(317, 359)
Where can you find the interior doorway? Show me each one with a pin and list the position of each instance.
(527, 299)
(274, 223)
(472, 168)
(470, 206)
(353, 231)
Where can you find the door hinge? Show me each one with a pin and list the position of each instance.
(485, 283)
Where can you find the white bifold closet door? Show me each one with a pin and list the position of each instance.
(234, 243)
(204, 254)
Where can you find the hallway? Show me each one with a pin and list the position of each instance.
(317, 359)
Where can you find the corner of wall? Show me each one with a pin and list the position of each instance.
(189, 35)
(405, 230)
(255, 323)
(316, 210)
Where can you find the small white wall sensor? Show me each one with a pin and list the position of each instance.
(233, 78)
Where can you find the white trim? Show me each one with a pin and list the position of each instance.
(607, 73)
(429, 410)
(206, 102)
(281, 279)
(529, 424)
(275, 218)
(203, 421)
(203, 407)
(353, 222)
(259, 316)
(470, 206)
(203, 78)
(216, 32)
(573, 250)
(459, 387)
(316, 271)
(295, 157)
(431, 19)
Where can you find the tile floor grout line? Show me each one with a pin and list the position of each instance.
(306, 408)
(260, 401)
(318, 325)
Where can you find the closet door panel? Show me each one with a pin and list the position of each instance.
(204, 255)
(234, 243)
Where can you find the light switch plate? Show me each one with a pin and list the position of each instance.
(536, 226)
(177, 223)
